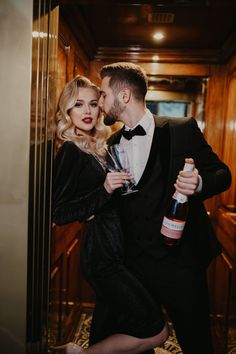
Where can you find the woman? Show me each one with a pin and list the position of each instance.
(82, 190)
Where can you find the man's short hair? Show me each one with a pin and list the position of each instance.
(123, 75)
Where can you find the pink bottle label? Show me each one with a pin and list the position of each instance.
(172, 228)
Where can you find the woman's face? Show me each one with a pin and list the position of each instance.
(85, 113)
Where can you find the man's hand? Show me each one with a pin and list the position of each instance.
(187, 182)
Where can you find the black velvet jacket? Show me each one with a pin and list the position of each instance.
(78, 190)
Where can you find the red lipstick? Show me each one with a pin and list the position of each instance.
(87, 120)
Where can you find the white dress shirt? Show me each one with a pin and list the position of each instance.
(138, 148)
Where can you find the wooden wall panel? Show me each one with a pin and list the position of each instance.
(222, 275)
(229, 148)
(214, 111)
(71, 59)
(221, 132)
(220, 129)
(69, 289)
(61, 68)
(214, 121)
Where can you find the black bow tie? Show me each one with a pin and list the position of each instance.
(128, 134)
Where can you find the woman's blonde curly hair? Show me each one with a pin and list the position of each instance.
(94, 143)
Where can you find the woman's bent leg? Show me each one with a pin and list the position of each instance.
(119, 344)
(125, 344)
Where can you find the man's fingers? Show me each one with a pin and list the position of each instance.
(184, 190)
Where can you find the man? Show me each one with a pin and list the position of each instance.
(175, 276)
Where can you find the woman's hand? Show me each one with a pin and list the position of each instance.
(115, 180)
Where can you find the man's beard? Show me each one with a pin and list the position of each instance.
(114, 113)
(108, 120)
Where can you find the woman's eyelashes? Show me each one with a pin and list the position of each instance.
(78, 104)
(91, 104)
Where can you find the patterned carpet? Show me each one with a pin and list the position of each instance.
(170, 347)
(82, 334)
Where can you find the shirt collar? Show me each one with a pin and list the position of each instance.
(146, 121)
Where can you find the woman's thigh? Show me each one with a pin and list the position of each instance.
(131, 301)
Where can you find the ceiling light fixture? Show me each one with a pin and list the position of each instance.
(158, 36)
(155, 58)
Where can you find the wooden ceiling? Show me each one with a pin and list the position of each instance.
(199, 31)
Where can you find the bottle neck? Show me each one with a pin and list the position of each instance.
(181, 198)
(188, 166)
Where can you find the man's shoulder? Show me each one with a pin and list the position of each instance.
(172, 121)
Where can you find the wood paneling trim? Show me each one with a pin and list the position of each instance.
(54, 272)
(228, 49)
(80, 29)
(199, 70)
(62, 236)
(202, 70)
(139, 54)
(70, 250)
(226, 231)
(71, 58)
(229, 197)
(223, 300)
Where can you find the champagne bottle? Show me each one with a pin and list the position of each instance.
(176, 215)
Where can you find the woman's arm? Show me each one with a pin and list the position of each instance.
(72, 201)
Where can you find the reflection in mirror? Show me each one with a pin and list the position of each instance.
(175, 96)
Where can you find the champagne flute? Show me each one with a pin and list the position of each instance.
(120, 162)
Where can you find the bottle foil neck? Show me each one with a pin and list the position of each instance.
(181, 198)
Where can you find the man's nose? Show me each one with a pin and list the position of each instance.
(100, 102)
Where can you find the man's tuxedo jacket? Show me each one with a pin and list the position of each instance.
(141, 213)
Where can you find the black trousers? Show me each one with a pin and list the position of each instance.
(180, 289)
(183, 292)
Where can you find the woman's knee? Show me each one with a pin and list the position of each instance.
(161, 337)
(155, 341)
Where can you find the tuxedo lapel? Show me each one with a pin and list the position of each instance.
(165, 153)
(151, 160)
(160, 145)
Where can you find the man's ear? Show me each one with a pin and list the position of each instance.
(125, 95)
